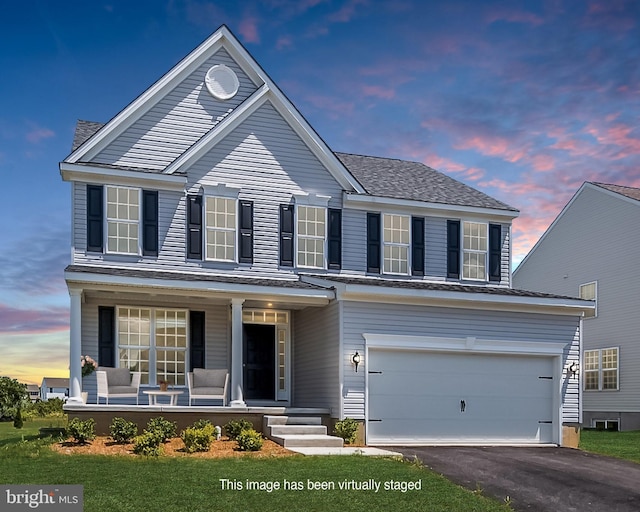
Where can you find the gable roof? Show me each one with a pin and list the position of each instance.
(630, 192)
(55, 382)
(624, 193)
(402, 179)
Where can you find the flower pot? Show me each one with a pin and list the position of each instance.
(164, 386)
(85, 396)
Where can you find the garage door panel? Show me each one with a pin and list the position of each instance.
(417, 397)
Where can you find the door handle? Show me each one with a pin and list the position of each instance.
(463, 405)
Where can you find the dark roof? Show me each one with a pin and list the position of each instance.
(84, 130)
(384, 177)
(417, 284)
(179, 276)
(56, 382)
(630, 192)
(401, 179)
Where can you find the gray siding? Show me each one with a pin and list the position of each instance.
(458, 323)
(217, 335)
(316, 352)
(597, 239)
(177, 121)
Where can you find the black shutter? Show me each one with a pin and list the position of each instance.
(245, 236)
(453, 249)
(95, 201)
(286, 235)
(106, 336)
(196, 342)
(335, 238)
(149, 222)
(495, 252)
(417, 246)
(194, 227)
(373, 242)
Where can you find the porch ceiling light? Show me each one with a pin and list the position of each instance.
(355, 359)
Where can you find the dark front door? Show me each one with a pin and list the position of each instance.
(259, 361)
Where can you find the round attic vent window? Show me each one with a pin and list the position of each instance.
(222, 82)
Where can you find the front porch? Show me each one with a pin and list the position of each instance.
(186, 415)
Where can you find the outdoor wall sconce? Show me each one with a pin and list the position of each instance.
(573, 369)
(355, 359)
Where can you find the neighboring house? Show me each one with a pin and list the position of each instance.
(34, 392)
(54, 387)
(590, 250)
(213, 227)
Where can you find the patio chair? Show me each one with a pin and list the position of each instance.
(117, 383)
(208, 384)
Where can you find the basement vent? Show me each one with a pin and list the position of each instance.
(222, 83)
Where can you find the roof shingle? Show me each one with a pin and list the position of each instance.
(630, 192)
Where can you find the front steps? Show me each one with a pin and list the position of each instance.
(297, 431)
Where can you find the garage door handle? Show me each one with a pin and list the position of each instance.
(542, 377)
(546, 422)
(370, 420)
(375, 372)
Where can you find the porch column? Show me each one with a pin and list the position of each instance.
(237, 398)
(75, 337)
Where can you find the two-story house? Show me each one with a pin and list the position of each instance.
(54, 387)
(213, 227)
(590, 251)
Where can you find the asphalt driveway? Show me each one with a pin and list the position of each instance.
(538, 478)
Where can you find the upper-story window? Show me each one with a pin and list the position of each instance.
(396, 243)
(475, 251)
(220, 228)
(123, 220)
(311, 236)
(475, 241)
(589, 291)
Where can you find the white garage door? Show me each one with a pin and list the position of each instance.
(437, 397)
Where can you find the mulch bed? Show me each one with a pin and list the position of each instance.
(224, 448)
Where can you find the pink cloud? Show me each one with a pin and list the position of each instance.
(378, 92)
(13, 320)
(38, 134)
(347, 12)
(543, 162)
(248, 29)
(492, 145)
(618, 135)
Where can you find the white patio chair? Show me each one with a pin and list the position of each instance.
(208, 384)
(117, 383)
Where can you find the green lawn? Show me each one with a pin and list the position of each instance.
(189, 484)
(624, 445)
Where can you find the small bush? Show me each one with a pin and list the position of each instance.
(249, 440)
(17, 421)
(201, 423)
(197, 439)
(166, 429)
(235, 427)
(82, 430)
(148, 444)
(123, 431)
(347, 430)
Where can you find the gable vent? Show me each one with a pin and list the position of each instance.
(222, 83)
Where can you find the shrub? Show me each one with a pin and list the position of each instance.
(347, 430)
(166, 429)
(123, 431)
(197, 439)
(44, 408)
(201, 423)
(82, 430)
(249, 440)
(17, 421)
(235, 427)
(148, 444)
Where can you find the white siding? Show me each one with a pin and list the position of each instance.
(436, 247)
(177, 121)
(354, 241)
(597, 239)
(316, 353)
(217, 334)
(456, 323)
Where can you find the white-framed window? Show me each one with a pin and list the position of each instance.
(396, 241)
(311, 236)
(123, 220)
(475, 244)
(601, 369)
(153, 341)
(220, 228)
(589, 291)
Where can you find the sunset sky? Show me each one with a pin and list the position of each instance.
(524, 100)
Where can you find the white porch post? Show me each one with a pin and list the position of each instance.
(75, 367)
(237, 398)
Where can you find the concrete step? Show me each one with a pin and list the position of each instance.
(292, 420)
(276, 430)
(306, 440)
